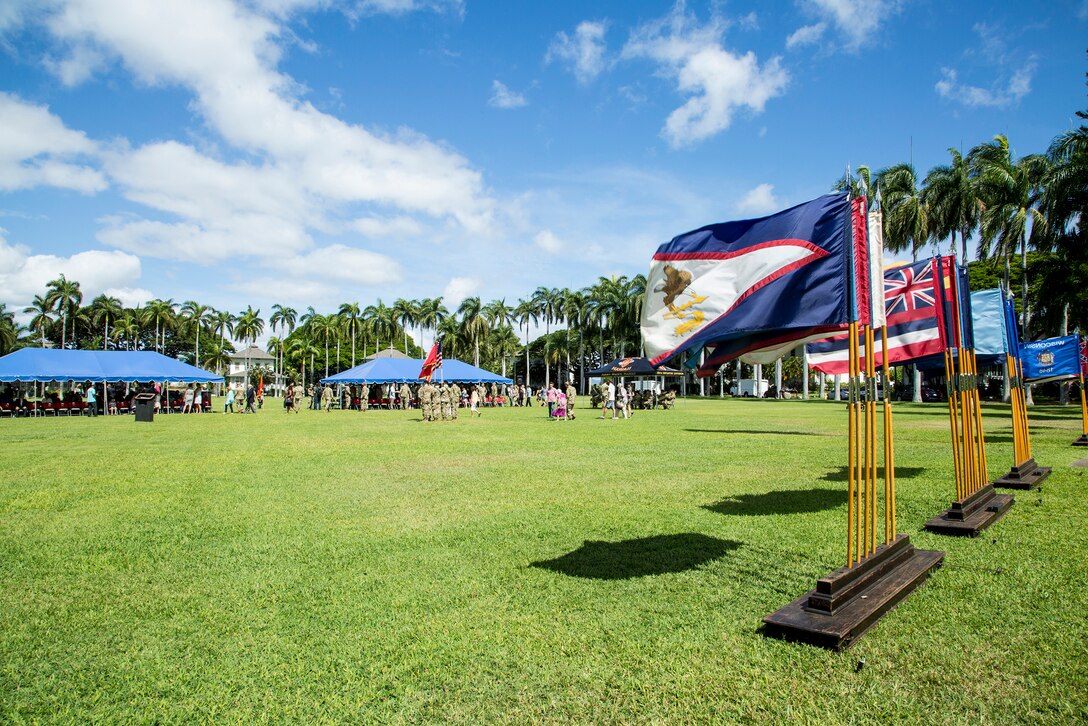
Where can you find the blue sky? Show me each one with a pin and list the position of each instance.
(310, 152)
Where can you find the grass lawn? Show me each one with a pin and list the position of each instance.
(372, 568)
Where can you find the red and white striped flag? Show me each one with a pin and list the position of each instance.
(433, 361)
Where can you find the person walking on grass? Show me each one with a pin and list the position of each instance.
(572, 393)
(619, 402)
(326, 398)
(551, 397)
(229, 403)
(251, 399)
(188, 407)
(92, 400)
(474, 401)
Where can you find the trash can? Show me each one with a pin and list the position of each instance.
(144, 403)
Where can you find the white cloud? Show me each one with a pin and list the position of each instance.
(503, 97)
(317, 166)
(82, 62)
(583, 53)
(457, 289)
(130, 297)
(858, 22)
(547, 241)
(805, 35)
(759, 200)
(345, 264)
(387, 226)
(718, 81)
(998, 95)
(24, 274)
(37, 149)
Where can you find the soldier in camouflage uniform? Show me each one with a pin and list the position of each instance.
(455, 400)
(443, 402)
(364, 397)
(425, 400)
(571, 393)
(405, 396)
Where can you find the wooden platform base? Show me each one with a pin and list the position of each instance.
(851, 600)
(1082, 441)
(1028, 475)
(973, 514)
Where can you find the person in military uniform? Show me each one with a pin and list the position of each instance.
(572, 393)
(364, 397)
(405, 396)
(326, 398)
(443, 402)
(455, 400)
(425, 400)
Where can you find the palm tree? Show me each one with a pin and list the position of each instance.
(547, 305)
(525, 312)
(9, 331)
(64, 295)
(405, 312)
(906, 213)
(350, 312)
(323, 328)
(161, 313)
(1012, 207)
(198, 316)
(951, 196)
(283, 317)
(500, 317)
(223, 325)
(216, 356)
(126, 328)
(576, 310)
(247, 329)
(103, 310)
(40, 308)
(473, 322)
(431, 314)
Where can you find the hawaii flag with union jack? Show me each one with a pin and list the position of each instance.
(915, 322)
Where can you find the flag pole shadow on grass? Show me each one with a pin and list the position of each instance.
(793, 501)
(642, 557)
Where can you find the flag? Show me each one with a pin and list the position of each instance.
(752, 286)
(913, 320)
(1084, 357)
(433, 361)
(260, 386)
(1053, 359)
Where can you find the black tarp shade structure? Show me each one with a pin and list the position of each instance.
(633, 368)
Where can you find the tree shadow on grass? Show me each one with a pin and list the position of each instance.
(793, 501)
(753, 431)
(641, 557)
(901, 472)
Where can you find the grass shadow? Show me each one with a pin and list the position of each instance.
(641, 557)
(901, 472)
(752, 431)
(793, 501)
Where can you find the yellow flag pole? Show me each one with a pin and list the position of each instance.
(984, 476)
(953, 421)
(851, 425)
(889, 446)
(870, 438)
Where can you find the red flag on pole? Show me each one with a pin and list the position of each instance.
(433, 362)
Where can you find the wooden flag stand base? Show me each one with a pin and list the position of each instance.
(850, 600)
(972, 515)
(1082, 441)
(1027, 475)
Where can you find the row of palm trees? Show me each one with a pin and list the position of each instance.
(1010, 205)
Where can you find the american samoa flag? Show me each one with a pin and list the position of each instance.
(758, 285)
(914, 320)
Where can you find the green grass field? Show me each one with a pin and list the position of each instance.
(372, 568)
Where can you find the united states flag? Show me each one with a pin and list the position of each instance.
(914, 322)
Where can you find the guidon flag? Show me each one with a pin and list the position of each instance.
(753, 289)
(433, 361)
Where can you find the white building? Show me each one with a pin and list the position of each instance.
(236, 372)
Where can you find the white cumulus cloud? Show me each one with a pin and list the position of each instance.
(805, 35)
(37, 149)
(759, 200)
(997, 95)
(548, 241)
(457, 289)
(582, 52)
(857, 22)
(503, 97)
(24, 274)
(717, 81)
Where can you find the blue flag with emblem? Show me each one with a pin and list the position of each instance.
(1053, 359)
(757, 285)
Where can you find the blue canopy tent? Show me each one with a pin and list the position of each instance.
(42, 365)
(98, 366)
(406, 370)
